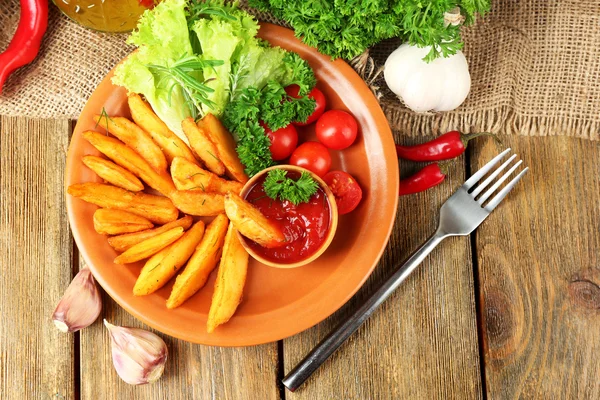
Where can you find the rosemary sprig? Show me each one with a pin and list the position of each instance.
(239, 71)
(181, 75)
(198, 9)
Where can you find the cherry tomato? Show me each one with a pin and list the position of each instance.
(336, 129)
(283, 141)
(312, 156)
(315, 94)
(346, 190)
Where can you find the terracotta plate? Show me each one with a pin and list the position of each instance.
(277, 303)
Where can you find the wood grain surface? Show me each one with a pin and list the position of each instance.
(36, 360)
(533, 285)
(192, 371)
(422, 343)
(539, 274)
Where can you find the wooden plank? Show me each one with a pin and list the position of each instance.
(422, 343)
(539, 274)
(192, 371)
(36, 360)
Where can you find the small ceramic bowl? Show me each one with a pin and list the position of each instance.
(333, 220)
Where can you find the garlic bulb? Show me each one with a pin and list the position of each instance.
(441, 85)
(139, 356)
(81, 304)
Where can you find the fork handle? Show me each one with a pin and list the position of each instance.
(330, 344)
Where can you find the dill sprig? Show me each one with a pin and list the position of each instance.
(103, 114)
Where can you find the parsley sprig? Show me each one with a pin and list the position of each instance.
(278, 186)
(241, 117)
(298, 72)
(277, 109)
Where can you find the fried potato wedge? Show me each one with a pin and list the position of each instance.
(169, 142)
(108, 221)
(225, 144)
(157, 209)
(203, 261)
(229, 286)
(202, 146)
(131, 161)
(113, 173)
(124, 242)
(189, 176)
(136, 138)
(252, 223)
(150, 246)
(162, 266)
(198, 202)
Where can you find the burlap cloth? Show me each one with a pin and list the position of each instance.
(535, 69)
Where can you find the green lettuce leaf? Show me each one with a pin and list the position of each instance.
(162, 38)
(162, 33)
(226, 33)
(263, 64)
(218, 41)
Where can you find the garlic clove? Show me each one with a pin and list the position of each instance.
(139, 356)
(80, 305)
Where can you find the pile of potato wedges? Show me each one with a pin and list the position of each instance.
(155, 186)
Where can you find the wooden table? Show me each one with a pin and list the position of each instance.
(511, 312)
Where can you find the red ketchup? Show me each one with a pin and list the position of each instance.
(305, 225)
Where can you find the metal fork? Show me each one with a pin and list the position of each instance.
(459, 216)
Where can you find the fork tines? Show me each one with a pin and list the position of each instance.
(487, 168)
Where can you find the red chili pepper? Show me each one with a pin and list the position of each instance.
(449, 145)
(426, 178)
(24, 46)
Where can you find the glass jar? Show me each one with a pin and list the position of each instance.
(105, 15)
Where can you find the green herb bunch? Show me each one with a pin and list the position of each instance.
(270, 106)
(278, 186)
(346, 28)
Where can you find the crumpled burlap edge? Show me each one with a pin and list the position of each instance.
(503, 120)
